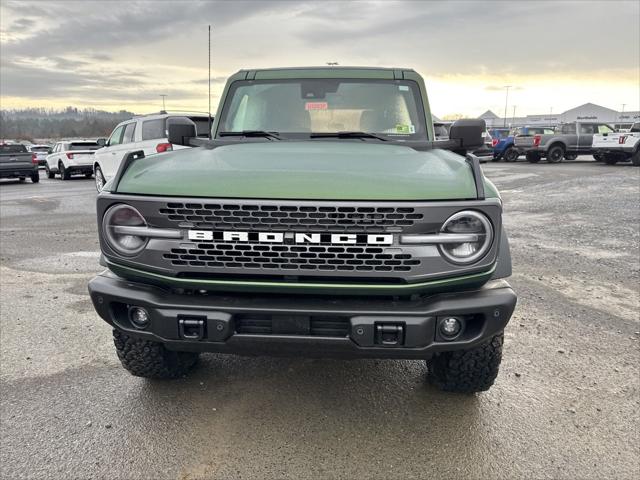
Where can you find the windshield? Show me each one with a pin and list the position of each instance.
(298, 108)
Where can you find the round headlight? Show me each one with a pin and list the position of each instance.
(124, 243)
(467, 222)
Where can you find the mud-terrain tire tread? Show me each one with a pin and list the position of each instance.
(144, 358)
(467, 371)
(635, 158)
(35, 177)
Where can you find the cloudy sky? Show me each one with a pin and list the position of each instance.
(123, 54)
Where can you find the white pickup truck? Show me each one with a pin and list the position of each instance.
(618, 146)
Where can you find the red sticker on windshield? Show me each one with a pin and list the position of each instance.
(316, 106)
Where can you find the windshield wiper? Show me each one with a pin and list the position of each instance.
(347, 135)
(251, 133)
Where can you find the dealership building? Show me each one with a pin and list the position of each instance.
(588, 112)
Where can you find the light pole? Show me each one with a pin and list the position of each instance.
(622, 113)
(506, 101)
(163, 97)
(513, 120)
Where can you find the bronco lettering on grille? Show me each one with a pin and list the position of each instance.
(290, 237)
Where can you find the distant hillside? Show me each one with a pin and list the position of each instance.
(40, 123)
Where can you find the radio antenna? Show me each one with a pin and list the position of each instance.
(209, 82)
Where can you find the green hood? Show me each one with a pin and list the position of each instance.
(305, 170)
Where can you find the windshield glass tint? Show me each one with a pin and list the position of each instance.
(84, 146)
(388, 107)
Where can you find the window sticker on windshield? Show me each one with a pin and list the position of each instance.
(405, 129)
(403, 88)
(316, 106)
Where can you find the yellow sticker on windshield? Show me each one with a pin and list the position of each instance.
(405, 129)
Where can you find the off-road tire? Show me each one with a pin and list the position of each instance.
(35, 177)
(555, 154)
(144, 358)
(64, 172)
(570, 156)
(467, 371)
(50, 174)
(533, 157)
(635, 158)
(511, 155)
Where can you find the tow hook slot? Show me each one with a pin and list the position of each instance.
(389, 334)
(191, 328)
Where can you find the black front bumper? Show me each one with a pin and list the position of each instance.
(305, 325)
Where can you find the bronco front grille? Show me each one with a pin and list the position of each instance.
(243, 216)
(293, 257)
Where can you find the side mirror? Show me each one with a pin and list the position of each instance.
(180, 130)
(102, 142)
(469, 132)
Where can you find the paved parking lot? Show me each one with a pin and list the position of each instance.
(565, 404)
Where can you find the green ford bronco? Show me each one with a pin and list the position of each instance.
(321, 219)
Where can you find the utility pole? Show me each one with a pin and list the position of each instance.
(506, 101)
(163, 97)
(622, 113)
(513, 120)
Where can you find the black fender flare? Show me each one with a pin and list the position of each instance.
(503, 262)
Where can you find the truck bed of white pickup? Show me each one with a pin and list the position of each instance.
(619, 146)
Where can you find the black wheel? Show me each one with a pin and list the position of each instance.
(144, 358)
(555, 154)
(35, 177)
(570, 156)
(64, 172)
(511, 155)
(467, 371)
(635, 159)
(50, 174)
(100, 181)
(533, 157)
(610, 159)
(598, 157)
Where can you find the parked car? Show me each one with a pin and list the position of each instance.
(567, 141)
(41, 152)
(18, 162)
(505, 146)
(485, 152)
(147, 133)
(619, 146)
(290, 233)
(71, 158)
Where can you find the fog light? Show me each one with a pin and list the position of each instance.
(450, 327)
(139, 317)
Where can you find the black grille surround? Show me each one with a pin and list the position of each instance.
(234, 216)
(217, 259)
